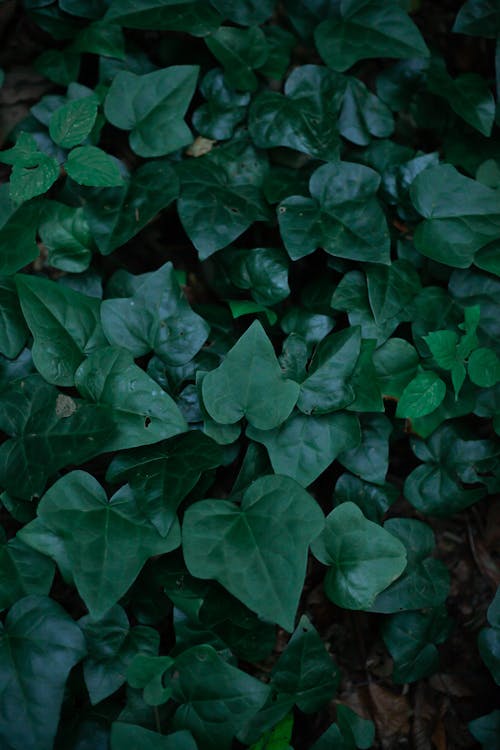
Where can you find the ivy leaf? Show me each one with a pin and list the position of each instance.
(309, 686)
(421, 396)
(246, 12)
(262, 270)
(39, 645)
(92, 534)
(131, 735)
(425, 581)
(150, 674)
(235, 389)
(343, 216)
(370, 459)
(152, 107)
(89, 165)
(239, 51)
(304, 446)
(65, 326)
(489, 639)
(72, 123)
(154, 316)
(112, 645)
(214, 714)
(18, 225)
(363, 557)
(142, 411)
(368, 29)
(13, 329)
(303, 117)
(66, 235)
(23, 571)
(461, 215)
(117, 214)
(363, 114)
(266, 538)
(224, 109)
(162, 475)
(194, 16)
(373, 500)
(48, 431)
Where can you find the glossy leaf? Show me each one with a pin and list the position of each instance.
(93, 534)
(266, 538)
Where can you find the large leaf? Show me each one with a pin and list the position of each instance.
(162, 475)
(155, 316)
(39, 645)
(216, 698)
(65, 325)
(115, 215)
(48, 431)
(142, 411)
(303, 118)
(305, 445)
(373, 28)
(305, 671)
(152, 107)
(23, 571)
(103, 543)
(236, 388)
(266, 539)
(364, 558)
(461, 215)
(343, 215)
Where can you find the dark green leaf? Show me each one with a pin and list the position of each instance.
(370, 460)
(89, 165)
(13, 330)
(22, 571)
(224, 109)
(130, 735)
(194, 16)
(72, 123)
(66, 234)
(373, 500)
(239, 51)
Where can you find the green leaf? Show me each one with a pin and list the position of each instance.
(224, 109)
(130, 735)
(151, 673)
(277, 738)
(236, 388)
(39, 645)
(370, 460)
(443, 346)
(92, 533)
(263, 271)
(343, 216)
(305, 671)
(245, 12)
(100, 38)
(112, 645)
(266, 538)
(194, 16)
(486, 730)
(154, 316)
(152, 107)
(374, 501)
(117, 214)
(489, 639)
(468, 95)
(240, 307)
(72, 123)
(162, 475)
(363, 557)
(303, 118)
(59, 66)
(18, 227)
(421, 396)
(461, 215)
(22, 571)
(395, 363)
(363, 114)
(425, 581)
(304, 446)
(216, 698)
(484, 367)
(411, 638)
(368, 29)
(478, 18)
(239, 51)
(141, 410)
(89, 165)
(327, 386)
(48, 431)
(13, 330)
(350, 732)
(65, 326)
(66, 234)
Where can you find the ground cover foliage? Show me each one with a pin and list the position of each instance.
(249, 374)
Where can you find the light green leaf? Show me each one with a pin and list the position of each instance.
(266, 539)
(421, 396)
(304, 446)
(368, 29)
(155, 316)
(89, 165)
(141, 410)
(65, 326)
(72, 123)
(104, 543)
(39, 645)
(364, 558)
(249, 383)
(152, 107)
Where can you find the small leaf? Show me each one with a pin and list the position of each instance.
(89, 165)
(421, 396)
(72, 123)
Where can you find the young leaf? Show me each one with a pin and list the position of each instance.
(364, 558)
(91, 535)
(266, 538)
(249, 383)
(152, 107)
